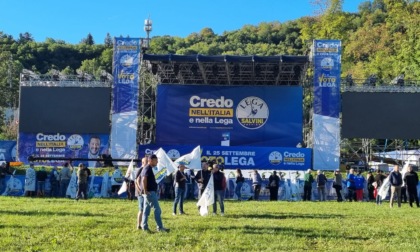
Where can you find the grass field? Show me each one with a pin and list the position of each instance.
(109, 225)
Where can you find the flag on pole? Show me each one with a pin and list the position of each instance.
(164, 167)
(383, 190)
(191, 160)
(128, 175)
(72, 188)
(207, 199)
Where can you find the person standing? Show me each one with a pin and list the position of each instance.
(337, 184)
(370, 179)
(54, 182)
(41, 177)
(189, 184)
(411, 179)
(321, 181)
(180, 186)
(202, 178)
(150, 188)
(139, 191)
(30, 181)
(395, 179)
(64, 177)
(82, 179)
(4, 169)
(274, 183)
(379, 179)
(307, 187)
(239, 182)
(219, 189)
(256, 184)
(359, 182)
(351, 187)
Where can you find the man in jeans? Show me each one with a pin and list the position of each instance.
(150, 188)
(395, 179)
(219, 190)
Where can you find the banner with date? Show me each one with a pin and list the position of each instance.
(243, 157)
(56, 145)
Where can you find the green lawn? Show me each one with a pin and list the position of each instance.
(28, 224)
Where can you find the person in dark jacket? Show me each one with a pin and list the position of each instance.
(321, 181)
(41, 177)
(337, 184)
(256, 184)
(202, 178)
(239, 182)
(411, 179)
(274, 183)
(395, 179)
(370, 179)
(307, 188)
(219, 190)
(180, 181)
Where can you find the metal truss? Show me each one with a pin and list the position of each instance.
(30, 79)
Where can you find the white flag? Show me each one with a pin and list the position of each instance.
(128, 175)
(104, 186)
(72, 188)
(383, 190)
(207, 199)
(191, 160)
(164, 167)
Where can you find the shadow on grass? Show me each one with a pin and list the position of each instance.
(296, 232)
(49, 213)
(286, 216)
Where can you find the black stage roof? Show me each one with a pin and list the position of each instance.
(227, 69)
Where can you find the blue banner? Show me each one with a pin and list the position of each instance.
(7, 151)
(243, 157)
(327, 105)
(56, 145)
(206, 115)
(327, 61)
(126, 74)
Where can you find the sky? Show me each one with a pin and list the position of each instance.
(71, 21)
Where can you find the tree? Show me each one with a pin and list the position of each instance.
(88, 40)
(108, 42)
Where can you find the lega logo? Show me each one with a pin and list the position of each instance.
(275, 158)
(327, 63)
(252, 112)
(75, 142)
(127, 60)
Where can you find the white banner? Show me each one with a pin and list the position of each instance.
(124, 135)
(326, 145)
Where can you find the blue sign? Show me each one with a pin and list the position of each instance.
(62, 146)
(205, 115)
(126, 74)
(243, 157)
(7, 151)
(327, 62)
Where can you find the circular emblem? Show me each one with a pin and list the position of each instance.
(327, 63)
(252, 112)
(126, 60)
(275, 157)
(75, 142)
(173, 154)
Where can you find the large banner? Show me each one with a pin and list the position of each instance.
(326, 121)
(243, 157)
(125, 99)
(7, 151)
(56, 145)
(229, 115)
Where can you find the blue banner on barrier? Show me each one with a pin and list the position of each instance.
(243, 157)
(7, 151)
(205, 115)
(62, 146)
(126, 74)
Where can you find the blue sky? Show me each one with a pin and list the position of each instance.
(71, 21)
